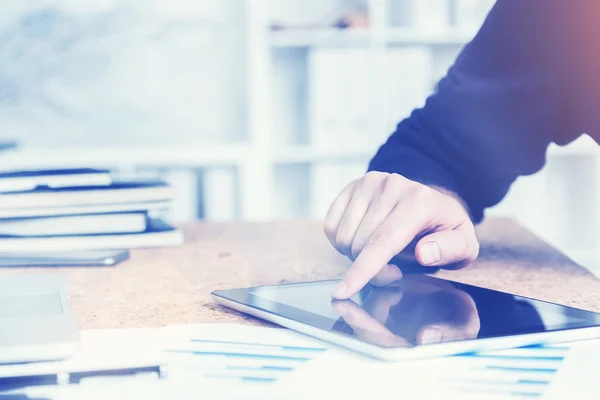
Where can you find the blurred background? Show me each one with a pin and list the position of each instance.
(252, 109)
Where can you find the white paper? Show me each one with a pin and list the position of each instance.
(245, 362)
(224, 361)
(578, 376)
(102, 349)
(507, 374)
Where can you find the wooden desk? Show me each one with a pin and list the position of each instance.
(166, 286)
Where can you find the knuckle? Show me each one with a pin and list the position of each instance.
(372, 178)
(357, 247)
(423, 193)
(424, 201)
(350, 184)
(343, 240)
(421, 208)
(393, 182)
(374, 175)
(379, 238)
(329, 227)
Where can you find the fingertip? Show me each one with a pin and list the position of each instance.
(340, 290)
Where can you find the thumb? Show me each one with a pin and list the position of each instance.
(458, 246)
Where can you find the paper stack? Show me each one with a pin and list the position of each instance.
(81, 209)
(229, 361)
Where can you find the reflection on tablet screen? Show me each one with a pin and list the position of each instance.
(417, 310)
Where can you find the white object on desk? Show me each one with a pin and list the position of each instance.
(16, 181)
(74, 225)
(36, 319)
(153, 208)
(157, 234)
(117, 192)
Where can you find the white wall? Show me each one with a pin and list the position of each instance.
(122, 72)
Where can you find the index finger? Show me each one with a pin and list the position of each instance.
(390, 238)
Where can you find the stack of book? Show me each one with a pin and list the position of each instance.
(82, 209)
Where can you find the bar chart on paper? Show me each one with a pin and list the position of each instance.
(247, 362)
(516, 373)
(244, 356)
(252, 357)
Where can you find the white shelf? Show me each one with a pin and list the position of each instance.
(211, 155)
(151, 156)
(412, 36)
(319, 37)
(362, 37)
(297, 154)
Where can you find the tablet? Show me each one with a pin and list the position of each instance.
(418, 317)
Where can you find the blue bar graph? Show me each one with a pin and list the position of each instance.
(514, 358)
(264, 367)
(274, 346)
(241, 362)
(240, 355)
(522, 369)
(524, 372)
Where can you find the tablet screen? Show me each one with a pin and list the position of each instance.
(417, 310)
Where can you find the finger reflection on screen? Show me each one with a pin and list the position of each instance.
(411, 312)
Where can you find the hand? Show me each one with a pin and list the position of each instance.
(379, 215)
(416, 311)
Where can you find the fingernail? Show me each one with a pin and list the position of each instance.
(430, 253)
(431, 336)
(339, 289)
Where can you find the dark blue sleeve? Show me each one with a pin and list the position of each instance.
(493, 115)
